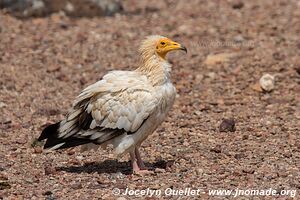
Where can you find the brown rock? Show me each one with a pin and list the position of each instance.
(49, 170)
(4, 185)
(298, 69)
(53, 68)
(248, 170)
(227, 125)
(47, 193)
(76, 186)
(216, 149)
(21, 140)
(257, 87)
(238, 5)
(38, 149)
(278, 56)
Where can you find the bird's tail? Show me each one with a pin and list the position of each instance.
(53, 141)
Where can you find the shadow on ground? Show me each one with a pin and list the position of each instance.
(112, 166)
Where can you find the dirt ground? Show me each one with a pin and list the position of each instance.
(46, 62)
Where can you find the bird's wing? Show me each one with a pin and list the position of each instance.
(119, 103)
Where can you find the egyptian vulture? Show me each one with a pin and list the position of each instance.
(123, 108)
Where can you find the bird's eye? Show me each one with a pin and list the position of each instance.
(162, 43)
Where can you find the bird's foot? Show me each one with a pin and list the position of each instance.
(137, 170)
(142, 172)
(140, 162)
(138, 165)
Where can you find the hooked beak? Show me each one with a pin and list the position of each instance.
(177, 46)
(183, 48)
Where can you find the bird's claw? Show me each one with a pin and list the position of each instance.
(142, 172)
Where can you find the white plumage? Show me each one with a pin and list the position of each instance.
(123, 108)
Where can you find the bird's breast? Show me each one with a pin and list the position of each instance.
(166, 95)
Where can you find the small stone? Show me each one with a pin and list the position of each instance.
(70, 151)
(278, 56)
(79, 66)
(38, 5)
(257, 87)
(80, 158)
(21, 140)
(245, 137)
(63, 25)
(76, 186)
(74, 162)
(238, 38)
(63, 77)
(287, 154)
(49, 170)
(169, 163)
(159, 170)
(248, 170)
(211, 75)
(239, 156)
(47, 193)
(53, 68)
(185, 143)
(3, 176)
(4, 185)
(221, 102)
(199, 77)
(238, 5)
(199, 171)
(227, 125)
(2, 105)
(298, 69)
(3, 134)
(216, 149)
(198, 113)
(118, 175)
(6, 121)
(237, 70)
(38, 149)
(267, 82)
(268, 123)
(69, 7)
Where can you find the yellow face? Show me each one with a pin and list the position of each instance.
(166, 45)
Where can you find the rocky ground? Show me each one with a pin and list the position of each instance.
(46, 62)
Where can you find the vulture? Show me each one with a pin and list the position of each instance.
(123, 108)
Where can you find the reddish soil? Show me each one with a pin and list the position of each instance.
(46, 62)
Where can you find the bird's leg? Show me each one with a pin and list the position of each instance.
(135, 167)
(139, 159)
(134, 164)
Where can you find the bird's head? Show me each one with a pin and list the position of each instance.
(160, 46)
(165, 45)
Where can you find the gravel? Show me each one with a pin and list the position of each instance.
(46, 62)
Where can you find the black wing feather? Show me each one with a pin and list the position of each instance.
(51, 134)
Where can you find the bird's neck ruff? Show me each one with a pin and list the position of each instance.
(155, 68)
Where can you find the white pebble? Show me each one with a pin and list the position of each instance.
(267, 82)
(2, 105)
(80, 158)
